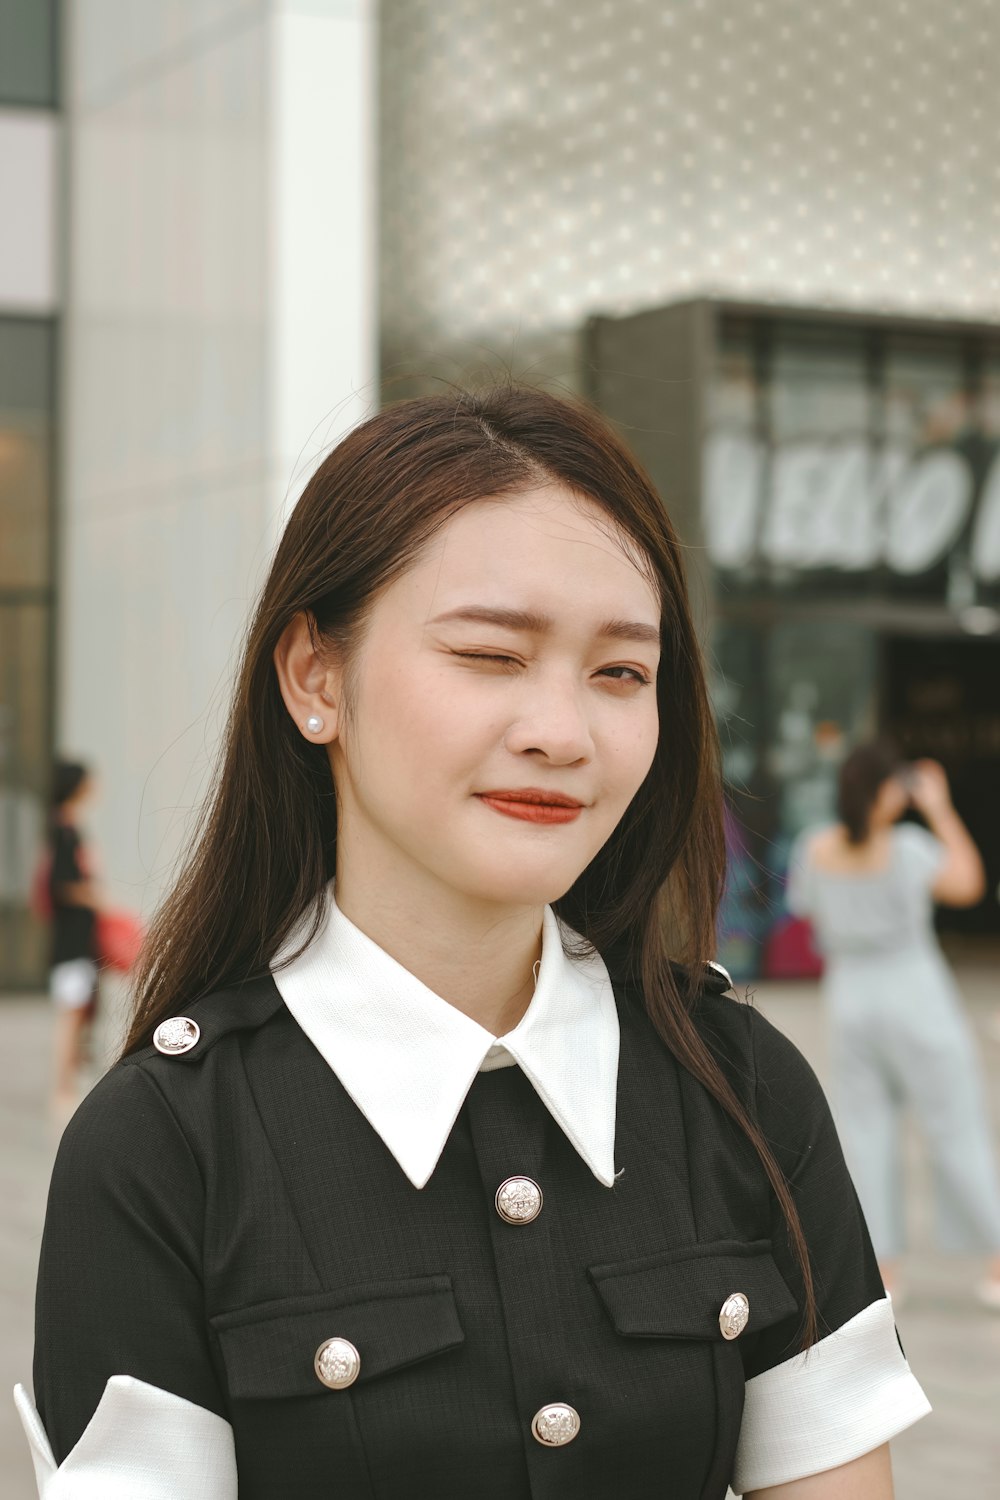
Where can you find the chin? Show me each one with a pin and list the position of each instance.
(517, 886)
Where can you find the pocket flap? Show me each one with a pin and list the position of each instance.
(680, 1293)
(269, 1349)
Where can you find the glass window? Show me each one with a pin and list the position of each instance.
(28, 52)
(26, 399)
(25, 657)
(26, 410)
(790, 698)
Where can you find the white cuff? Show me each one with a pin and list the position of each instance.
(141, 1444)
(848, 1394)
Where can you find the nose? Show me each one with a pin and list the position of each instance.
(552, 723)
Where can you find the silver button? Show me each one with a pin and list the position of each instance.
(337, 1363)
(722, 973)
(519, 1200)
(177, 1035)
(556, 1424)
(735, 1315)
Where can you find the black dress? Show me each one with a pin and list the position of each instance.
(72, 926)
(216, 1216)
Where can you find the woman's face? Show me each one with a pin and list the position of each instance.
(503, 708)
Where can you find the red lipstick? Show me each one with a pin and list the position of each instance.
(532, 805)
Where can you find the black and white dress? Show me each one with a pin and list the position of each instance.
(346, 1243)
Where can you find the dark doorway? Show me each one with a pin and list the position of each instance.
(941, 698)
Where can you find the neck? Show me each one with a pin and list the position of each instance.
(874, 834)
(477, 955)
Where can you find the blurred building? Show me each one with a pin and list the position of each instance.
(30, 302)
(197, 176)
(836, 477)
(257, 205)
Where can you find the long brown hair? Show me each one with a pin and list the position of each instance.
(266, 848)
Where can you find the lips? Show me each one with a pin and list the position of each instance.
(533, 805)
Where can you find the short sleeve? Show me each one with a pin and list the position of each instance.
(852, 1390)
(920, 854)
(120, 1290)
(799, 882)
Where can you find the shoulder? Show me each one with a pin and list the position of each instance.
(912, 840)
(153, 1100)
(767, 1071)
(736, 1031)
(194, 1031)
(766, 1068)
(742, 1040)
(813, 843)
(779, 1089)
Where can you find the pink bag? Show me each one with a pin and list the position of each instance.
(790, 952)
(119, 937)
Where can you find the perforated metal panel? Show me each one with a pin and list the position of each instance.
(542, 161)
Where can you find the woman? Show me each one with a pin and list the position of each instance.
(899, 1037)
(426, 1172)
(73, 902)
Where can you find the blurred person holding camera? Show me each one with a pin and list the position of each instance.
(899, 1037)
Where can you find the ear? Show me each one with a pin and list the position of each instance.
(310, 679)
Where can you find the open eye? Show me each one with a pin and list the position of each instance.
(626, 674)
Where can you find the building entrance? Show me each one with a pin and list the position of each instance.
(941, 698)
(835, 478)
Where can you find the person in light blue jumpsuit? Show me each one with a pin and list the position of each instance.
(899, 1036)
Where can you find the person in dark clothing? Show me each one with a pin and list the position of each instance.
(74, 906)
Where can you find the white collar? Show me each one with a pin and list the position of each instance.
(408, 1058)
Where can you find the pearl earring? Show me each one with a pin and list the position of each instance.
(314, 724)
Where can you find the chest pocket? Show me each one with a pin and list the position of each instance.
(269, 1350)
(667, 1308)
(680, 1294)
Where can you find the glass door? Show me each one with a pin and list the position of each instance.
(27, 396)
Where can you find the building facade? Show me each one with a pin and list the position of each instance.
(270, 216)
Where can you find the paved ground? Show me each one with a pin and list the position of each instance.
(952, 1345)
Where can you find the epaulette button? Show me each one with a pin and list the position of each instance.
(175, 1036)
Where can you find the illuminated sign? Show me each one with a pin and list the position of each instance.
(844, 505)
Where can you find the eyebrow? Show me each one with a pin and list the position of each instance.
(535, 624)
